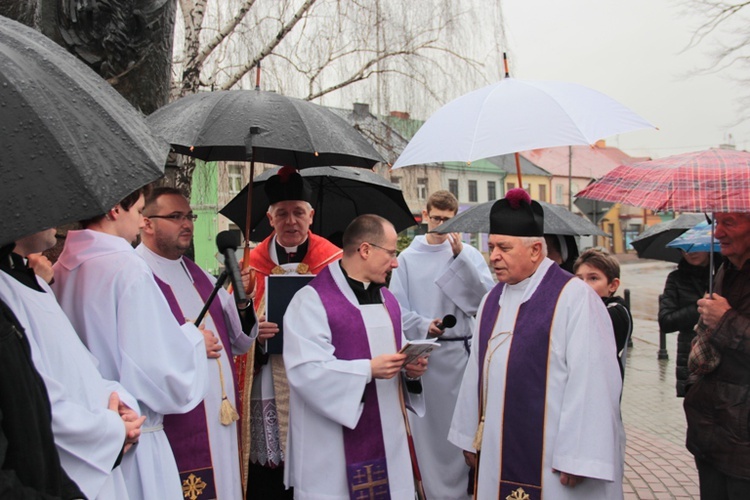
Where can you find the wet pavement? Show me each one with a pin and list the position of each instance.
(657, 465)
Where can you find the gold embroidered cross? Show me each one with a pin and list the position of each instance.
(193, 487)
(367, 488)
(518, 494)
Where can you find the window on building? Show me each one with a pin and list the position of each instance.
(396, 181)
(453, 187)
(542, 192)
(509, 186)
(234, 173)
(559, 194)
(491, 191)
(422, 188)
(473, 191)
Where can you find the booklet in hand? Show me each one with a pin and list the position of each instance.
(418, 349)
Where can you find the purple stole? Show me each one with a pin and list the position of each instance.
(522, 455)
(188, 432)
(364, 449)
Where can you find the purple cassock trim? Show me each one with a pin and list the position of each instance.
(188, 433)
(525, 382)
(366, 467)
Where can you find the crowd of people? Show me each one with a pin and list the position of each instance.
(111, 389)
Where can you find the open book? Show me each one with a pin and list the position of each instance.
(417, 349)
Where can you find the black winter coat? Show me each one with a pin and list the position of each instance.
(622, 324)
(678, 312)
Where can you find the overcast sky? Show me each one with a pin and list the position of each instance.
(630, 50)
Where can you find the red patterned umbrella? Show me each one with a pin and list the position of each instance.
(717, 180)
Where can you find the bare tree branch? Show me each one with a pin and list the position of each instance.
(285, 29)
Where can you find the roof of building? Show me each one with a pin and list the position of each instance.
(507, 163)
(587, 161)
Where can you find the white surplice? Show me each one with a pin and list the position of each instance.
(225, 454)
(430, 283)
(583, 429)
(326, 394)
(116, 307)
(89, 437)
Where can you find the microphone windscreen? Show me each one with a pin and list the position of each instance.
(226, 240)
(449, 321)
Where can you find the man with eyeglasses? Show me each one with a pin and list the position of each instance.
(439, 275)
(538, 412)
(342, 336)
(291, 249)
(109, 294)
(204, 440)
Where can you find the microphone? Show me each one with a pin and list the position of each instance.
(227, 242)
(449, 321)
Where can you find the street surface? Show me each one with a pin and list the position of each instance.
(657, 464)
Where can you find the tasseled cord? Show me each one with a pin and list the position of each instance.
(477, 444)
(227, 413)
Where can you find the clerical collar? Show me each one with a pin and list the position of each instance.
(287, 255)
(366, 293)
(15, 266)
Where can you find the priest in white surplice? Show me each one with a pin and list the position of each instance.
(112, 300)
(90, 434)
(205, 445)
(342, 333)
(539, 402)
(439, 275)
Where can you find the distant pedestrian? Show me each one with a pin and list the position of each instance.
(678, 308)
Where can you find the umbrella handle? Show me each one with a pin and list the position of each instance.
(250, 288)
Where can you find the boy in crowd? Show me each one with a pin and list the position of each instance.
(601, 271)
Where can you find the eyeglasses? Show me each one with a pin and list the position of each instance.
(392, 253)
(175, 217)
(439, 220)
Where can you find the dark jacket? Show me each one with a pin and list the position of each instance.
(622, 324)
(29, 465)
(717, 406)
(678, 312)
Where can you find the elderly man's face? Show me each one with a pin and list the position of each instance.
(291, 220)
(511, 260)
(733, 233)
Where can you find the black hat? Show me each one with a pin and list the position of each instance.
(517, 215)
(286, 185)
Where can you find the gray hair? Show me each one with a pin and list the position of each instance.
(527, 241)
(271, 206)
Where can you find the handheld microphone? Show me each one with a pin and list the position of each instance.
(449, 321)
(227, 242)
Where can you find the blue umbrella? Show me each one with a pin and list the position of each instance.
(696, 239)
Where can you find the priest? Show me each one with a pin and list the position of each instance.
(538, 409)
(204, 440)
(291, 249)
(348, 432)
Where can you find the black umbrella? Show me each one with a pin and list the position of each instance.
(557, 220)
(232, 124)
(339, 195)
(72, 146)
(652, 243)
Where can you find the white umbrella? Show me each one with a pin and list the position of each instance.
(518, 115)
